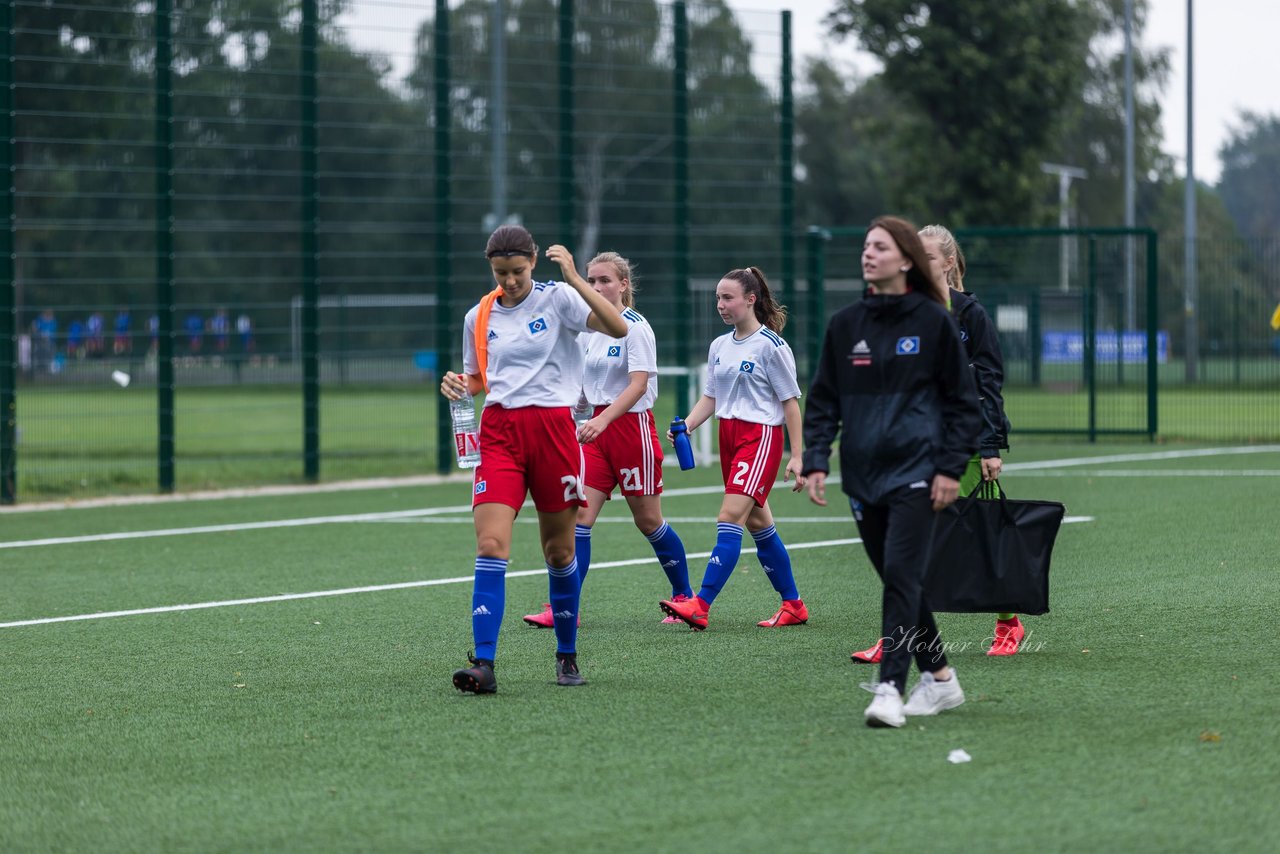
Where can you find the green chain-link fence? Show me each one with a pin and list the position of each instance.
(1093, 326)
(242, 246)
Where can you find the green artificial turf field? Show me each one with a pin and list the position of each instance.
(1140, 715)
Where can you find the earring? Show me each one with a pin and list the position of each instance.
(904, 269)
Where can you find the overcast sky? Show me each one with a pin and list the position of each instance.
(1236, 60)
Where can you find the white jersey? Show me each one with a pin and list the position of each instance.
(750, 379)
(534, 357)
(611, 361)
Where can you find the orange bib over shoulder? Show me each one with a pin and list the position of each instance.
(482, 334)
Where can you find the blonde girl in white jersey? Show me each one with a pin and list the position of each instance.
(752, 390)
(620, 441)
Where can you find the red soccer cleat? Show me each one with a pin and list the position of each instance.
(692, 611)
(545, 619)
(870, 655)
(1009, 634)
(679, 597)
(792, 613)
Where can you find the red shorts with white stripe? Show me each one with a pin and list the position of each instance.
(528, 449)
(626, 454)
(749, 458)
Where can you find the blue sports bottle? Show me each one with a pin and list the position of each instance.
(684, 449)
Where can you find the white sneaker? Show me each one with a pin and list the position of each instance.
(886, 708)
(931, 696)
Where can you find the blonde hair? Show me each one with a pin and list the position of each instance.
(767, 310)
(622, 268)
(949, 248)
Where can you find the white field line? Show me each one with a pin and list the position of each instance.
(245, 492)
(1223, 473)
(434, 479)
(1037, 466)
(376, 588)
(406, 585)
(1144, 457)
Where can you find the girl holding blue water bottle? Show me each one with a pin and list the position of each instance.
(752, 390)
(619, 441)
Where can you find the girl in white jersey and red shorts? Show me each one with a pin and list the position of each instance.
(620, 441)
(520, 346)
(751, 388)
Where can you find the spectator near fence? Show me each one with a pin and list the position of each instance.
(121, 341)
(194, 327)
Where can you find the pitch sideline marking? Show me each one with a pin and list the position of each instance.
(1038, 465)
(403, 585)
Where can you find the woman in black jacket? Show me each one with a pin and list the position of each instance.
(893, 381)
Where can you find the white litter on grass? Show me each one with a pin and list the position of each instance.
(957, 756)
(121, 378)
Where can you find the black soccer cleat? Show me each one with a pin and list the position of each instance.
(567, 672)
(476, 679)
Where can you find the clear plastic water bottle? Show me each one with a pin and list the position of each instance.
(582, 411)
(466, 431)
(684, 448)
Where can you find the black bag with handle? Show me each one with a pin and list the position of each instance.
(991, 554)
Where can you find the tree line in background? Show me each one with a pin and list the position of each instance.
(971, 98)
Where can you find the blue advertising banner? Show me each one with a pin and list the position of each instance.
(1068, 347)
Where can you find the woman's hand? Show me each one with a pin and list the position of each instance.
(944, 491)
(453, 386)
(591, 430)
(817, 483)
(991, 467)
(794, 465)
(564, 258)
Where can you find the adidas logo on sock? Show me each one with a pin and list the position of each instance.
(715, 560)
(563, 615)
(482, 611)
(767, 569)
(671, 563)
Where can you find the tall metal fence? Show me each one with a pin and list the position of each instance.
(1094, 328)
(244, 235)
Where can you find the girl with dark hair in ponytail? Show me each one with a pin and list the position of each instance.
(520, 346)
(752, 389)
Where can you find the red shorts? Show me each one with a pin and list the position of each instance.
(626, 454)
(529, 448)
(749, 458)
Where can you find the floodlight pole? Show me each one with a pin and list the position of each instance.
(1065, 174)
(1130, 289)
(498, 113)
(1189, 271)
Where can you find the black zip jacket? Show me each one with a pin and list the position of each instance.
(982, 345)
(894, 381)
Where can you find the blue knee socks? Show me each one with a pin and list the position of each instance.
(776, 562)
(670, 551)
(582, 550)
(488, 598)
(724, 557)
(564, 587)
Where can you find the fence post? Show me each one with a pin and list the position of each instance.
(816, 255)
(443, 232)
(1153, 321)
(164, 245)
(310, 271)
(9, 284)
(1091, 337)
(680, 166)
(786, 158)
